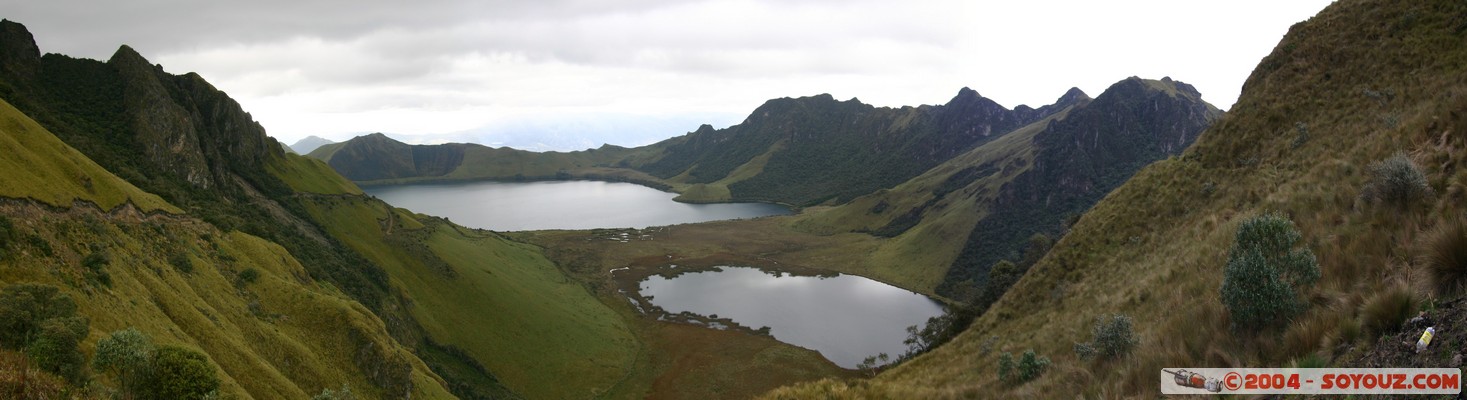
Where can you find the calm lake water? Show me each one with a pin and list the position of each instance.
(846, 318)
(523, 206)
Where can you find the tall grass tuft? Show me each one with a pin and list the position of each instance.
(1445, 256)
(1385, 311)
(1398, 181)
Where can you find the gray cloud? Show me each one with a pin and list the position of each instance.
(444, 66)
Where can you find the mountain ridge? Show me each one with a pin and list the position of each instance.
(1361, 82)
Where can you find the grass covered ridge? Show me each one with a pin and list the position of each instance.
(499, 301)
(1352, 86)
(283, 335)
(39, 166)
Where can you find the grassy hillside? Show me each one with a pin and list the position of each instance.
(923, 216)
(280, 334)
(500, 302)
(39, 166)
(1027, 182)
(309, 175)
(809, 150)
(1352, 86)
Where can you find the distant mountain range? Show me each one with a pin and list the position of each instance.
(308, 144)
(153, 201)
(925, 176)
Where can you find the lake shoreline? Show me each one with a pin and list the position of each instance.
(570, 204)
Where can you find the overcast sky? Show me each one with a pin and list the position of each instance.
(654, 68)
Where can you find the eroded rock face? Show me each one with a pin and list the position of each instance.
(19, 55)
(163, 127)
(186, 125)
(1078, 160)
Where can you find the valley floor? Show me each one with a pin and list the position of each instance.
(681, 360)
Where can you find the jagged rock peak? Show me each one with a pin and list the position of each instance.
(129, 61)
(1072, 96)
(965, 95)
(19, 54)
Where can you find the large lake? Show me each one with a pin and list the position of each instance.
(523, 206)
(846, 318)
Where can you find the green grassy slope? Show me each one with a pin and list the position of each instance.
(282, 336)
(935, 209)
(1353, 85)
(309, 175)
(810, 150)
(946, 226)
(39, 166)
(501, 302)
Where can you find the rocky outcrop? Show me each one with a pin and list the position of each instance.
(19, 55)
(188, 127)
(1078, 160)
(821, 149)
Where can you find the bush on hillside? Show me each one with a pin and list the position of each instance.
(248, 276)
(42, 321)
(1111, 338)
(1445, 255)
(1031, 366)
(54, 348)
(181, 262)
(1264, 272)
(182, 373)
(1005, 366)
(1397, 181)
(127, 355)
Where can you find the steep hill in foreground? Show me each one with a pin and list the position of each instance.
(180, 280)
(239, 240)
(1354, 85)
(398, 284)
(1026, 183)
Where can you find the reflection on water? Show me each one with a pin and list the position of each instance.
(846, 318)
(520, 206)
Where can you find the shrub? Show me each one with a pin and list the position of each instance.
(127, 355)
(1111, 337)
(1031, 366)
(40, 244)
(1384, 312)
(181, 262)
(1446, 257)
(1397, 180)
(1264, 270)
(248, 276)
(181, 373)
(54, 348)
(95, 261)
(1084, 351)
(1005, 366)
(23, 307)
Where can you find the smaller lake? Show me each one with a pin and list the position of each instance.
(524, 206)
(846, 318)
